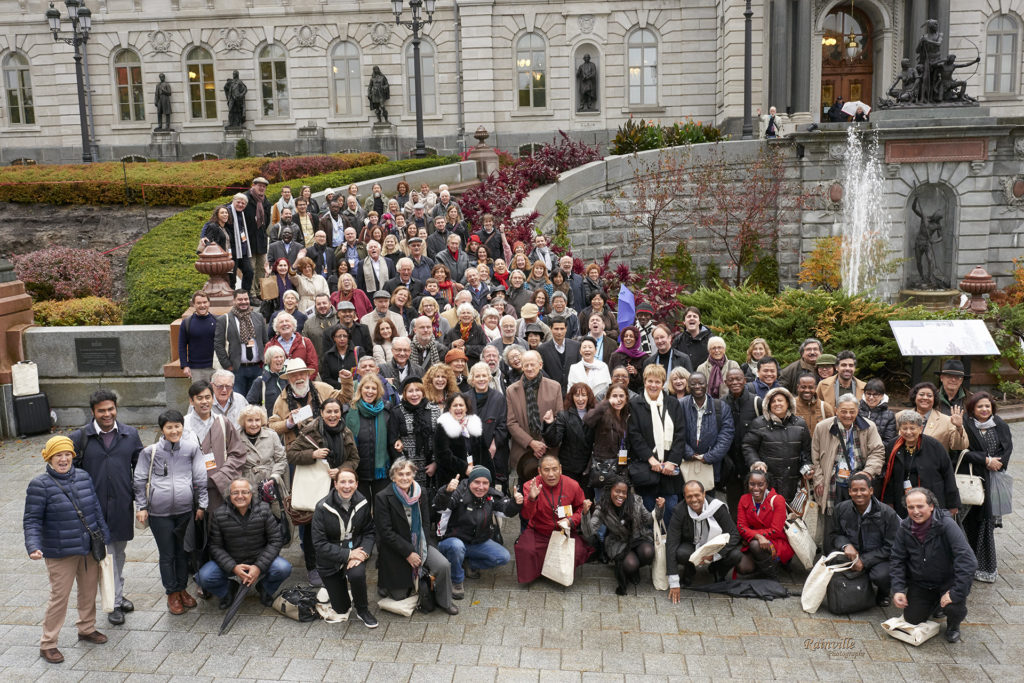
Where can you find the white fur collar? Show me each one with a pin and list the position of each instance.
(453, 429)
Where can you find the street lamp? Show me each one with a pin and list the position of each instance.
(81, 22)
(748, 48)
(416, 25)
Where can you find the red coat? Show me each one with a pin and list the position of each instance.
(302, 348)
(769, 521)
(358, 299)
(532, 544)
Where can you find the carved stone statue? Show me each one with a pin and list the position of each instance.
(929, 233)
(929, 56)
(378, 92)
(930, 80)
(235, 91)
(163, 104)
(586, 83)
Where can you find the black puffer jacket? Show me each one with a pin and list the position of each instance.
(470, 519)
(573, 439)
(944, 561)
(783, 445)
(883, 418)
(694, 347)
(871, 534)
(930, 468)
(331, 549)
(252, 539)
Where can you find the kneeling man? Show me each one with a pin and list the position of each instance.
(705, 519)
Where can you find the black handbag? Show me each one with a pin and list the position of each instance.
(849, 592)
(601, 472)
(641, 474)
(97, 547)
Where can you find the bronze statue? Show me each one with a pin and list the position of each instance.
(378, 92)
(163, 104)
(949, 88)
(910, 77)
(930, 81)
(929, 233)
(586, 81)
(235, 91)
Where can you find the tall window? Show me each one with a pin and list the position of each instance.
(18, 86)
(1001, 55)
(274, 81)
(131, 103)
(531, 80)
(202, 90)
(643, 67)
(348, 100)
(427, 78)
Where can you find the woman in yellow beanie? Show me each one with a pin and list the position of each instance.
(60, 510)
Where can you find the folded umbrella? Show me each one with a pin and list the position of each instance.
(233, 608)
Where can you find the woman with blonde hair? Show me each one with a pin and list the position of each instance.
(439, 383)
(264, 454)
(678, 386)
(757, 350)
(429, 307)
(377, 435)
(308, 283)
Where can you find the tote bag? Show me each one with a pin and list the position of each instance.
(1000, 493)
(972, 488)
(915, 634)
(695, 470)
(107, 583)
(659, 570)
(309, 485)
(560, 559)
(816, 585)
(801, 541)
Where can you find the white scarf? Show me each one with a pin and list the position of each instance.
(705, 526)
(990, 423)
(241, 246)
(664, 428)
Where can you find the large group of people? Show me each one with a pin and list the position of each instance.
(421, 378)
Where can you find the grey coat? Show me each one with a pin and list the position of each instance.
(177, 477)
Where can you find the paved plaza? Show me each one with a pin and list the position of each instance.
(505, 632)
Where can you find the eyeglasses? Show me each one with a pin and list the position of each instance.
(223, 387)
(241, 493)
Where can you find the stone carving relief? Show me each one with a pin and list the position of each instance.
(380, 33)
(586, 23)
(1013, 191)
(1018, 148)
(836, 151)
(160, 41)
(232, 38)
(305, 36)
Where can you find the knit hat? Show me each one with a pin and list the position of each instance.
(59, 444)
(479, 471)
(455, 354)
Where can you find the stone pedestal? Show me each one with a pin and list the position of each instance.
(310, 139)
(231, 138)
(385, 139)
(485, 157)
(164, 146)
(931, 299)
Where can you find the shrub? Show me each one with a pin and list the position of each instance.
(161, 275)
(638, 135)
(284, 169)
(679, 266)
(90, 310)
(64, 273)
(241, 148)
(822, 267)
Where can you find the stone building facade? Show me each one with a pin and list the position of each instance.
(509, 67)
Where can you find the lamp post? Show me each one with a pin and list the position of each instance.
(81, 23)
(748, 124)
(416, 25)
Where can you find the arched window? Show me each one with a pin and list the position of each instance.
(131, 102)
(18, 86)
(427, 76)
(531, 72)
(1001, 55)
(348, 100)
(273, 81)
(643, 67)
(202, 89)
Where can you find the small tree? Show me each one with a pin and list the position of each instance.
(657, 192)
(821, 268)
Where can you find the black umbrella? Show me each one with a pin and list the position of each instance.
(233, 609)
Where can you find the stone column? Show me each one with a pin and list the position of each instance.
(801, 89)
(779, 50)
(940, 11)
(917, 14)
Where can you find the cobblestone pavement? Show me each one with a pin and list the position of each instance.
(505, 632)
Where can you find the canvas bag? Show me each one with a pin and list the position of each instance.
(659, 570)
(802, 542)
(972, 488)
(107, 584)
(817, 581)
(695, 470)
(560, 558)
(310, 484)
(915, 634)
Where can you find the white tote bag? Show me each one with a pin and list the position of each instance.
(915, 634)
(659, 573)
(709, 549)
(309, 485)
(802, 542)
(695, 470)
(560, 559)
(107, 583)
(817, 581)
(814, 523)
(971, 487)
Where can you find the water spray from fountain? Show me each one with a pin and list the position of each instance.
(865, 223)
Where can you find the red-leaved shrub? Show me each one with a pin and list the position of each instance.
(288, 168)
(648, 287)
(64, 273)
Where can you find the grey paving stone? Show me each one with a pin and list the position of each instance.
(345, 672)
(434, 673)
(474, 674)
(305, 670)
(374, 651)
(581, 660)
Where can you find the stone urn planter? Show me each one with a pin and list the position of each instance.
(216, 263)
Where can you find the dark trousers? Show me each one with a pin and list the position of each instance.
(921, 602)
(880, 579)
(306, 543)
(169, 534)
(370, 489)
(338, 585)
(245, 375)
(718, 568)
(244, 265)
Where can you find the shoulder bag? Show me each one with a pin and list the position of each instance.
(849, 592)
(149, 483)
(816, 585)
(802, 542)
(659, 570)
(97, 547)
(972, 488)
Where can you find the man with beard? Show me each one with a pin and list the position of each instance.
(843, 382)
(382, 309)
(285, 221)
(809, 352)
(332, 224)
(302, 392)
(358, 333)
(285, 247)
(425, 348)
(400, 367)
(528, 399)
(240, 239)
(492, 357)
(323, 319)
(238, 340)
(575, 281)
(808, 406)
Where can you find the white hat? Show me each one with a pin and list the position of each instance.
(294, 366)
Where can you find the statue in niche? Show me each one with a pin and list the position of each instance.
(163, 104)
(929, 233)
(235, 91)
(378, 92)
(929, 80)
(586, 84)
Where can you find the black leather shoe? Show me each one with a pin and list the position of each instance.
(952, 635)
(939, 613)
(116, 617)
(453, 610)
(127, 606)
(884, 602)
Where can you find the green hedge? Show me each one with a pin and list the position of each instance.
(161, 276)
(90, 310)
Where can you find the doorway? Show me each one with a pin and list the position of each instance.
(847, 64)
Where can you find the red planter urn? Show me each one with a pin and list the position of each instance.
(977, 283)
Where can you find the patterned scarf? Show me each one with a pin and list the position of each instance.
(530, 387)
(376, 413)
(427, 355)
(411, 501)
(246, 330)
(464, 331)
(715, 376)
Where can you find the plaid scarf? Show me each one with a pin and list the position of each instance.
(530, 387)
(246, 330)
(427, 355)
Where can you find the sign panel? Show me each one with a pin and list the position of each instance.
(101, 355)
(943, 338)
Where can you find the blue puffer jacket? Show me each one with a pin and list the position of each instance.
(51, 523)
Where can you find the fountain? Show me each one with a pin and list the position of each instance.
(865, 223)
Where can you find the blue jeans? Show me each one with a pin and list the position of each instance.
(670, 504)
(480, 556)
(245, 375)
(215, 579)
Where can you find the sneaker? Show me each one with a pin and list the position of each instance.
(116, 617)
(314, 578)
(368, 619)
(458, 591)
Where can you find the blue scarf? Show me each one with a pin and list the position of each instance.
(373, 412)
(411, 500)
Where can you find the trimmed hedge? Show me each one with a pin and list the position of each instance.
(167, 183)
(161, 276)
(64, 273)
(90, 310)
